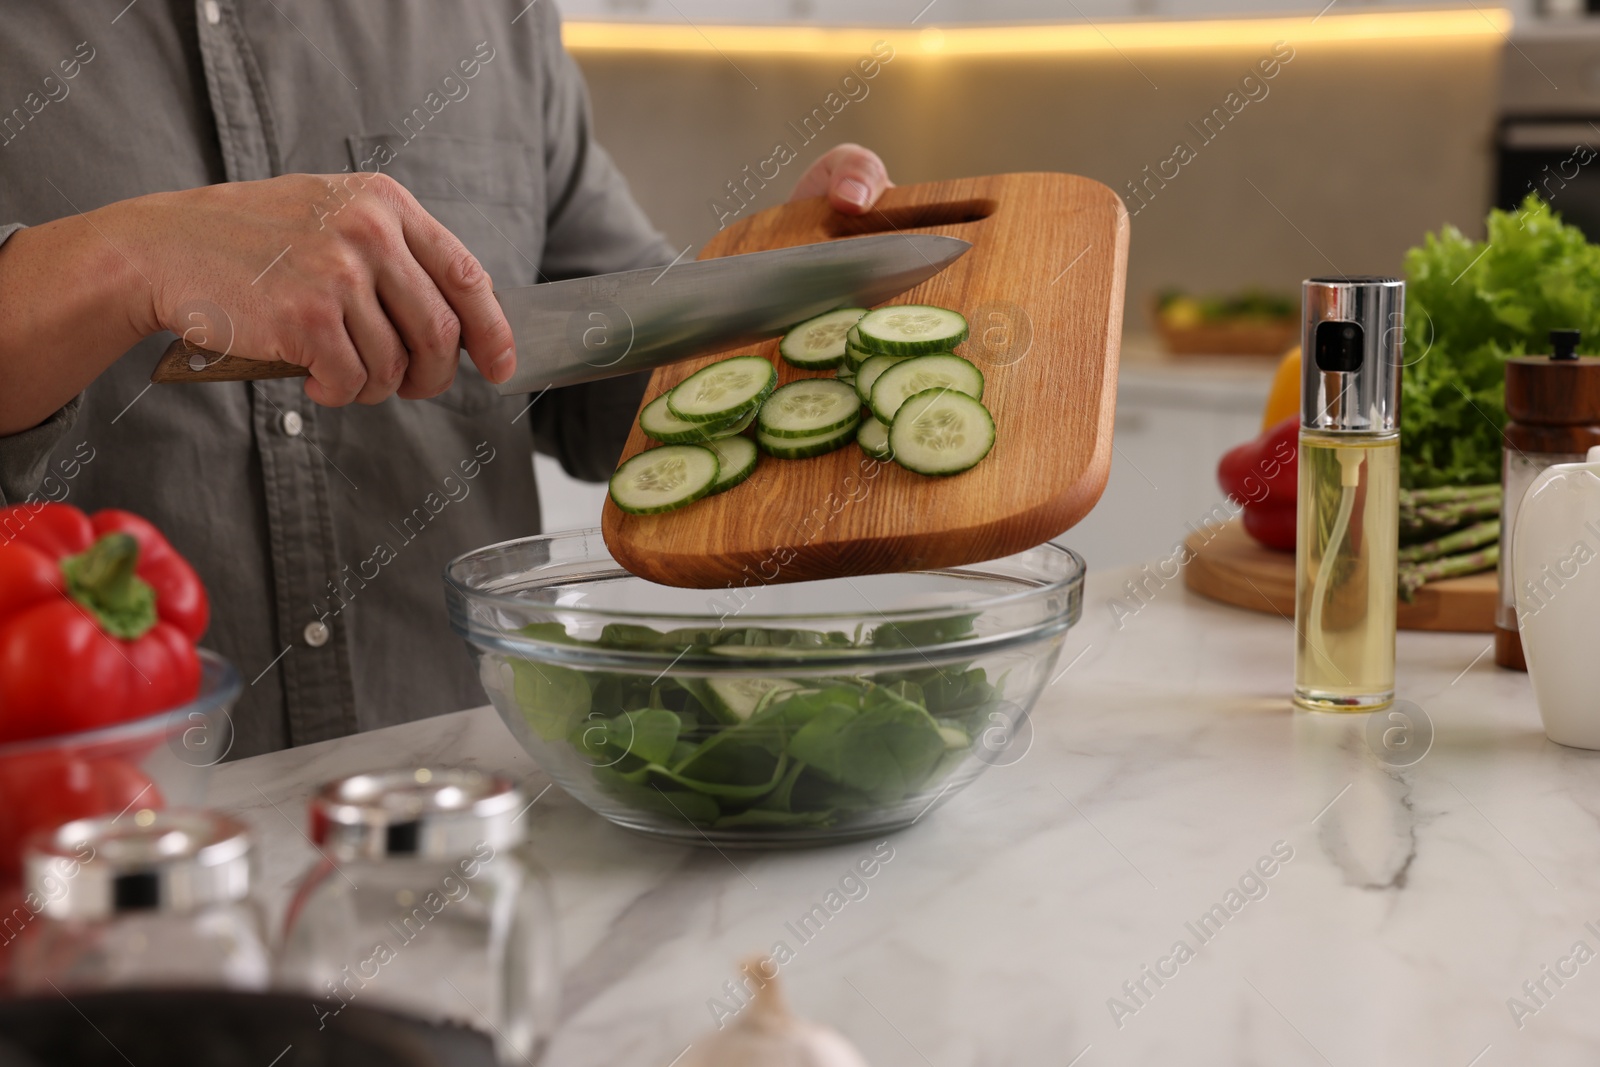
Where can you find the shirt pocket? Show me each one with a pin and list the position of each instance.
(489, 193)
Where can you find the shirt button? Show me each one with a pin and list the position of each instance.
(317, 633)
(213, 12)
(293, 425)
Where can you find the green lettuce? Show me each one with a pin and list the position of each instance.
(1469, 306)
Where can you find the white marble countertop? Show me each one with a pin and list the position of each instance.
(1405, 907)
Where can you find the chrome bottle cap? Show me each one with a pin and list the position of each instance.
(169, 861)
(1352, 343)
(427, 813)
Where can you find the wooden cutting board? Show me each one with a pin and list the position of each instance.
(1042, 290)
(1231, 567)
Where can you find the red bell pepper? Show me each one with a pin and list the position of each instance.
(1263, 476)
(40, 790)
(1272, 523)
(98, 621)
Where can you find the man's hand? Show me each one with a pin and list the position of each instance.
(345, 275)
(852, 177)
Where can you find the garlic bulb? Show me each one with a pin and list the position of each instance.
(767, 1034)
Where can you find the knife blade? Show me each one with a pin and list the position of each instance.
(584, 329)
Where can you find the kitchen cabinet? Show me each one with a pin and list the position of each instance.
(1334, 909)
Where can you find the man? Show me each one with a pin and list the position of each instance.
(335, 185)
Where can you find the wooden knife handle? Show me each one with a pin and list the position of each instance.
(184, 362)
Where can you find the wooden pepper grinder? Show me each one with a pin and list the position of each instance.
(1553, 404)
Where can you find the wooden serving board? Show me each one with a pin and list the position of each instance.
(1042, 290)
(1233, 568)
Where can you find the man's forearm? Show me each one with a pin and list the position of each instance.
(69, 306)
(374, 300)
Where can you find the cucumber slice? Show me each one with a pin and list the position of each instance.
(805, 447)
(941, 431)
(736, 458)
(818, 343)
(734, 700)
(665, 478)
(662, 425)
(873, 437)
(943, 371)
(727, 430)
(810, 407)
(855, 353)
(870, 372)
(845, 376)
(862, 346)
(723, 391)
(911, 330)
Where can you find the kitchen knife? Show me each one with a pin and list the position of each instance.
(583, 329)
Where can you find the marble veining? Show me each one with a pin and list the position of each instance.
(1035, 917)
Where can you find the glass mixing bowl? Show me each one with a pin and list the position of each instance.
(767, 715)
(159, 761)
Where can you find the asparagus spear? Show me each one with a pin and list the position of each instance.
(1440, 517)
(1475, 536)
(1447, 494)
(1461, 512)
(1414, 576)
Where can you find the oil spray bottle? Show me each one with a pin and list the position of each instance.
(1347, 525)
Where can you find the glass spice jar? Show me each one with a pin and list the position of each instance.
(428, 902)
(148, 900)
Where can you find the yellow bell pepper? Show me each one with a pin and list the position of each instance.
(1283, 399)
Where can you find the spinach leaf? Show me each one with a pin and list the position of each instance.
(967, 697)
(738, 755)
(615, 691)
(719, 788)
(922, 632)
(680, 806)
(813, 792)
(788, 714)
(799, 640)
(554, 633)
(553, 699)
(623, 635)
(781, 798)
(813, 750)
(885, 751)
(650, 734)
(818, 742)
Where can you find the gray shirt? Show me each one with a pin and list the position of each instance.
(320, 533)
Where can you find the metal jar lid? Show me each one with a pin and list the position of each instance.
(1352, 345)
(169, 861)
(427, 813)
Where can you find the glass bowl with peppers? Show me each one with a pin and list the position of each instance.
(106, 704)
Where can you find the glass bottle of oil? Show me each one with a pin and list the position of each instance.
(1347, 526)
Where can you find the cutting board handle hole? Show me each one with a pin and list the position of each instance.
(911, 217)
